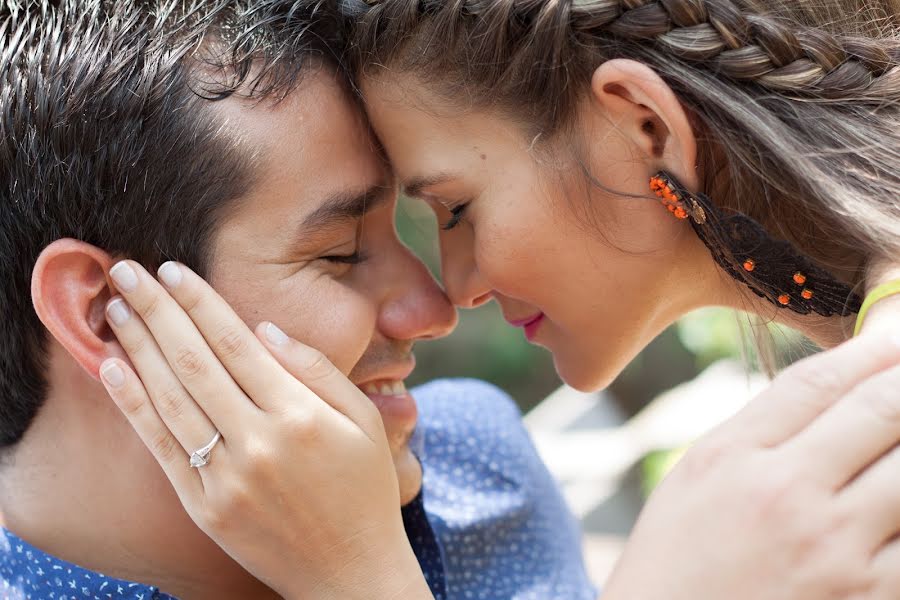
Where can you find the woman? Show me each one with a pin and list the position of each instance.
(538, 130)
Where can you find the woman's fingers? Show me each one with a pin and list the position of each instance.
(129, 394)
(873, 500)
(321, 377)
(886, 572)
(853, 433)
(185, 349)
(181, 415)
(245, 358)
(803, 392)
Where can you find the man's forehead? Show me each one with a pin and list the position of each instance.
(313, 149)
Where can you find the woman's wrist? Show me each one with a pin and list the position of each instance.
(394, 575)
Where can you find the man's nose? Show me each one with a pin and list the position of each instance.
(417, 308)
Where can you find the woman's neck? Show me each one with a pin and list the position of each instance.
(884, 314)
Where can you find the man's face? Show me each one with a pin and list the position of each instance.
(313, 249)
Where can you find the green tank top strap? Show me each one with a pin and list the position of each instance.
(885, 290)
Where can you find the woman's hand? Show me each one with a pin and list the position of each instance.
(797, 497)
(200, 370)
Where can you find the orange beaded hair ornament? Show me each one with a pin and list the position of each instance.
(773, 269)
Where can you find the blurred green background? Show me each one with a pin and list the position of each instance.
(486, 347)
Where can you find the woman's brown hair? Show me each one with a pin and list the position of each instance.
(795, 103)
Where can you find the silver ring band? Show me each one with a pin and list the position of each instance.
(200, 457)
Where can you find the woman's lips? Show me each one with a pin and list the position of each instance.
(530, 325)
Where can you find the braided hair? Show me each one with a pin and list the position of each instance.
(795, 103)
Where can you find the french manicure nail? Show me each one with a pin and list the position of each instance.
(276, 336)
(170, 274)
(112, 374)
(118, 312)
(124, 276)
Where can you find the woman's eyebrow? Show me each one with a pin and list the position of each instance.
(414, 186)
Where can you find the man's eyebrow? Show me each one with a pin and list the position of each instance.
(413, 187)
(347, 206)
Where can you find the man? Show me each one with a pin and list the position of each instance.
(221, 134)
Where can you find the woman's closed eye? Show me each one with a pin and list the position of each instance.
(456, 217)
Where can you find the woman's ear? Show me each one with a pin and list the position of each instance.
(70, 288)
(645, 109)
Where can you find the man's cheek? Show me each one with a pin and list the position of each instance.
(342, 329)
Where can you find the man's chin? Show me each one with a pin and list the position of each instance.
(409, 475)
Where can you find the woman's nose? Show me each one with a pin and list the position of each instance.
(464, 284)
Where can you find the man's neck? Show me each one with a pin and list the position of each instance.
(82, 487)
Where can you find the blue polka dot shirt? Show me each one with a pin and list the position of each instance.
(502, 526)
(489, 524)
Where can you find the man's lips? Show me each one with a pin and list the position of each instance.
(388, 393)
(397, 372)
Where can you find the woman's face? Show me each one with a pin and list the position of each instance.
(590, 275)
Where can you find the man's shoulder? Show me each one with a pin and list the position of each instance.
(471, 401)
(503, 526)
(471, 433)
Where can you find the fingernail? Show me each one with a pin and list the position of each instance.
(124, 276)
(112, 374)
(118, 312)
(275, 335)
(170, 274)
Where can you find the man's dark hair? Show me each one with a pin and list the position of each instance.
(107, 136)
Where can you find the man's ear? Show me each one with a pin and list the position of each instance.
(70, 288)
(645, 109)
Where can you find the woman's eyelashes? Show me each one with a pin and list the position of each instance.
(456, 216)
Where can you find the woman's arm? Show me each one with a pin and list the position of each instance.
(795, 497)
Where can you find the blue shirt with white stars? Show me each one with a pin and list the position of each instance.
(490, 523)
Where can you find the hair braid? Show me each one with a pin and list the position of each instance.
(721, 35)
(749, 46)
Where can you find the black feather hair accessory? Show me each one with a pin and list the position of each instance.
(773, 269)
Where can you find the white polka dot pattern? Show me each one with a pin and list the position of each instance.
(502, 524)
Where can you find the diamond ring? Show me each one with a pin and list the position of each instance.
(200, 457)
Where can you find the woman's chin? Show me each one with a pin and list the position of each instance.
(585, 375)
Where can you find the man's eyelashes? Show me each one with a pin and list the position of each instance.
(346, 259)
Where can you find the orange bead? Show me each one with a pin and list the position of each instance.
(799, 278)
(807, 294)
(749, 265)
(681, 213)
(784, 299)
